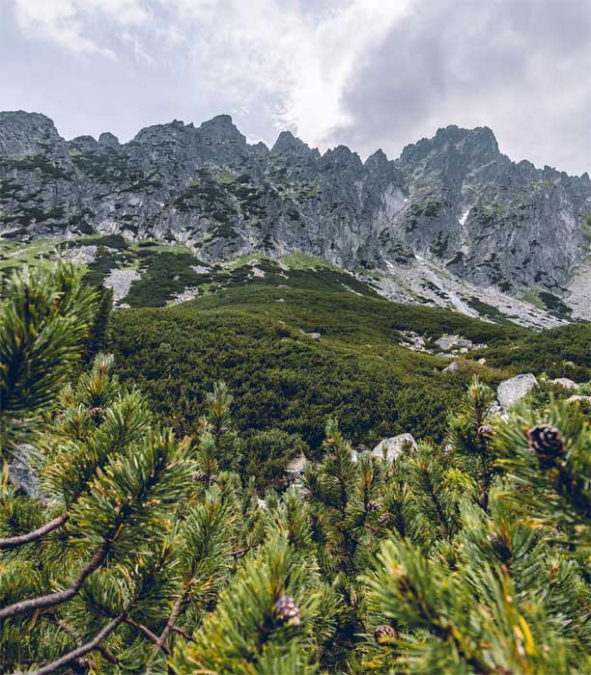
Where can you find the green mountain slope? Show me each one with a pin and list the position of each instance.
(256, 338)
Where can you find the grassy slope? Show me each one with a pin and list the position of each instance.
(282, 378)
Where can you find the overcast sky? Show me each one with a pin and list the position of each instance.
(366, 73)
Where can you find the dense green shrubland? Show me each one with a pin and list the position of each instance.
(145, 552)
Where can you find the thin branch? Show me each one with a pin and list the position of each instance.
(240, 552)
(176, 608)
(148, 633)
(81, 651)
(180, 631)
(70, 630)
(13, 542)
(53, 599)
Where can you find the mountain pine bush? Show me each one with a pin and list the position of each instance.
(130, 550)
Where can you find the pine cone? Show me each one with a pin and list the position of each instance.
(485, 432)
(373, 506)
(546, 443)
(288, 611)
(224, 430)
(384, 519)
(385, 634)
(306, 494)
(199, 476)
(94, 412)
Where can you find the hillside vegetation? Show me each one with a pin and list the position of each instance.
(257, 338)
(125, 548)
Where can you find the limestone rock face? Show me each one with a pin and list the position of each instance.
(452, 200)
(390, 448)
(513, 390)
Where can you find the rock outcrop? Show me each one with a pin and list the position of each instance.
(451, 201)
(513, 390)
(390, 448)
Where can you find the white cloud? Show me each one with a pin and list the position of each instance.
(277, 55)
(69, 22)
(302, 60)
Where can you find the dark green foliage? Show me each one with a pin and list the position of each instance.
(560, 352)
(164, 275)
(45, 319)
(266, 454)
(555, 305)
(99, 330)
(281, 378)
(143, 553)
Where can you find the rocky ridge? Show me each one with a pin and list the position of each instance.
(452, 222)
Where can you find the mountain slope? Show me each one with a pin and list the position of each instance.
(453, 203)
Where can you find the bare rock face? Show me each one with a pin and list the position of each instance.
(513, 390)
(453, 200)
(390, 448)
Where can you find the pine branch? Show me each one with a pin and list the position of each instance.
(60, 597)
(176, 608)
(72, 632)
(13, 542)
(147, 633)
(180, 631)
(84, 649)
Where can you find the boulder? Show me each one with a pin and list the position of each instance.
(359, 450)
(578, 397)
(390, 448)
(453, 367)
(295, 468)
(565, 383)
(513, 390)
(21, 474)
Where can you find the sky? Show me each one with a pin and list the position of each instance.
(365, 73)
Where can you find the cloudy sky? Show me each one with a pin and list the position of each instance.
(366, 73)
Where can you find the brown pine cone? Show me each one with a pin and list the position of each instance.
(94, 412)
(546, 443)
(385, 634)
(199, 476)
(373, 506)
(288, 611)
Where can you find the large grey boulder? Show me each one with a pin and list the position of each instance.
(390, 448)
(513, 390)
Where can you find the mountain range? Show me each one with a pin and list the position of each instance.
(451, 222)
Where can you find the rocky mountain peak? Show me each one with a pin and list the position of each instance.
(452, 200)
(23, 133)
(377, 161)
(287, 142)
(108, 140)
